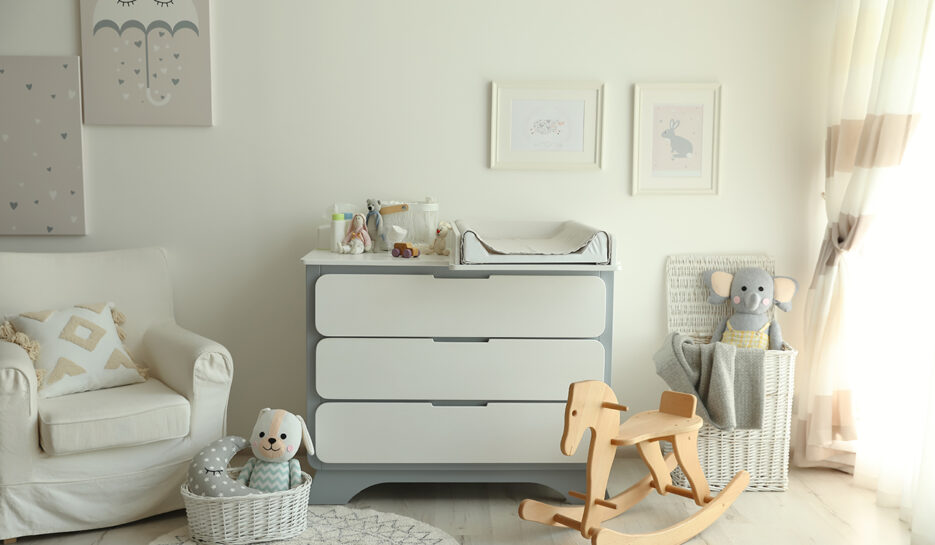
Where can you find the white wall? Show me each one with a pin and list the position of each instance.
(341, 100)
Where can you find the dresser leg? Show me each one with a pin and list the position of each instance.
(9, 541)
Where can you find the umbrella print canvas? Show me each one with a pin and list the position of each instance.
(146, 62)
(41, 188)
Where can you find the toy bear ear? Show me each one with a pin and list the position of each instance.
(262, 412)
(719, 284)
(784, 289)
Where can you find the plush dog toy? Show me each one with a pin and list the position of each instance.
(752, 292)
(441, 240)
(275, 441)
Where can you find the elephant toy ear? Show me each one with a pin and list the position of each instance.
(719, 284)
(784, 289)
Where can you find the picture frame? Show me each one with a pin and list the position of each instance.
(676, 138)
(546, 125)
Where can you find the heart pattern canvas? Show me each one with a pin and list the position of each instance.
(40, 147)
(146, 63)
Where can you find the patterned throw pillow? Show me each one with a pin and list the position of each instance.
(79, 348)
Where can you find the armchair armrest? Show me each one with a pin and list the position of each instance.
(19, 430)
(195, 367)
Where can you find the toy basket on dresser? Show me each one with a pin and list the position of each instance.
(764, 453)
(256, 518)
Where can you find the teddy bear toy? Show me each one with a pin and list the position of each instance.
(275, 441)
(752, 291)
(441, 240)
(375, 225)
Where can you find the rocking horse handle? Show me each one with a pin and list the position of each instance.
(614, 406)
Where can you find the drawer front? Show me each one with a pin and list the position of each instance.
(423, 369)
(421, 433)
(420, 305)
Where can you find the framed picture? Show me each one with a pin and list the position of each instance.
(546, 125)
(146, 62)
(675, 138)
(41, 181)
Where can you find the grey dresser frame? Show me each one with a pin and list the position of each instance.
(339, 483)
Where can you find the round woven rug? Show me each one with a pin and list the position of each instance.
(338, 525)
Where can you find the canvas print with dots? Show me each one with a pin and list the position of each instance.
(146, 62)
(41, 183)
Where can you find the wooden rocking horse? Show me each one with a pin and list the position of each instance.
(592, 404)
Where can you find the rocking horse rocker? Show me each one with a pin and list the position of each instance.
(592, 404)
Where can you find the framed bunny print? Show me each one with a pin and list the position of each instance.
(676, 138)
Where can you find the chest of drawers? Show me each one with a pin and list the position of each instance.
(417, 372)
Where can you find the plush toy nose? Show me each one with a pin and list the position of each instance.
(751, 301)
(272, 440)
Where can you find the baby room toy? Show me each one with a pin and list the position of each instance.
(752, 292)
(266, 500)
(405, 249)
(592, 404)
(375, 225)
(357, 240)
(275, 441)
(439, 245)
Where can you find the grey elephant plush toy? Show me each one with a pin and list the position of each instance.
(752, 291)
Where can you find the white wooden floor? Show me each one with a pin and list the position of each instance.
(821, 507)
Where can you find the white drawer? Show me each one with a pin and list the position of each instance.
(423, 369)
(405, 433)
(420, 305)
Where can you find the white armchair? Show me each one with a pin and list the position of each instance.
(102, 458)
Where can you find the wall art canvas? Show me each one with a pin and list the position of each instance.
(41, 187)
(146, 62)
(546, 125)
(675, 138)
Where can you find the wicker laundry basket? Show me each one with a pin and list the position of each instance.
(764, 453)
(255, 518)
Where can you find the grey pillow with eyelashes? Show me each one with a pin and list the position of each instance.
(207, 475)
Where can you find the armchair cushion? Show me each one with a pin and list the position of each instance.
(81, 349)
(115, 417)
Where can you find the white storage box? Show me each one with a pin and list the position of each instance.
(764, 453)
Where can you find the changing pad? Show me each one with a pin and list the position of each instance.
(532, 242)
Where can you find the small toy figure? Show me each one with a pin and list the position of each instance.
(405, 249)
(275, 441)
(375, 225)
(441, 240)
(357, 240)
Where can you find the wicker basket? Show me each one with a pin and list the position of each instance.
(255, 518)
(764, 453)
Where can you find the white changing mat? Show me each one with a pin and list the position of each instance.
(532, 242)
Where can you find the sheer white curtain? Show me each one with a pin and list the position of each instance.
(890, 354)
(866, 390)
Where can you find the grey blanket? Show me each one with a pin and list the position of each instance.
(728, 381)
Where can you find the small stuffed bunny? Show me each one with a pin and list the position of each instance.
(275, 440)
(357, 240)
